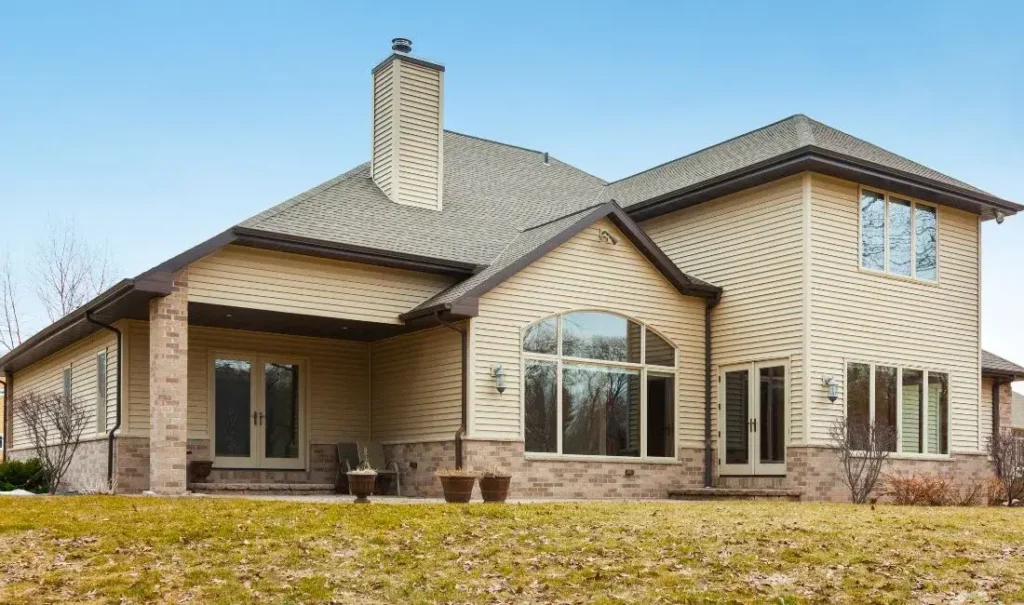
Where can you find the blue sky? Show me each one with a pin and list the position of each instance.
(156, 125)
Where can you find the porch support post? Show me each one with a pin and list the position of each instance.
(168, 388)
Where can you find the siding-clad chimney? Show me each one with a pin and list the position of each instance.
(408, 133)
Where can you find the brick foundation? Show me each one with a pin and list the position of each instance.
(815, 470)
(168, 388)
(131, 463)
(88, 470)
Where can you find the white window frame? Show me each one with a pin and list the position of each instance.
(914, 203)
(643, 368)
(102, 385)
(257, 459)
(899, 403)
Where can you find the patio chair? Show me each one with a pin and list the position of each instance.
(350, 456)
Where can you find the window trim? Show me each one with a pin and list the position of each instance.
(914, 203)
(899, 453)
(643, 368)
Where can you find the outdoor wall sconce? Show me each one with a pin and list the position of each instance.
(499, 377)
(833, 387)
(605, 236)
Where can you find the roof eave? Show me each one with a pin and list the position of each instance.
(811, 158)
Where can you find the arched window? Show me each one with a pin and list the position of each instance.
(598, 384)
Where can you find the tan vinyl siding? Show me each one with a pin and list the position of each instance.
(751, 244)
(292, 283)
(864, 316)
(383, 128)
(583, 273)
(417, 386)
(47, 376)
(337, 371)
(408, 162)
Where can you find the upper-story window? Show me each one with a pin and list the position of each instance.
(898, 236)
(598, 384)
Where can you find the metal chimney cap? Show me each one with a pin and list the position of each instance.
(401, 45)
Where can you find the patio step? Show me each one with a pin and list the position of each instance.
(280, 489)
(734, 493)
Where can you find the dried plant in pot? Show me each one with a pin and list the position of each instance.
(199, 470)
(457, 484)
(362, 480)
(494, 484)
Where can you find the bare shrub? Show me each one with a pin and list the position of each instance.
(863, 451)
(931, 489)
(55, 424)
(1007, 453)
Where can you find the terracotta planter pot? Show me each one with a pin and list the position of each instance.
(361, 485)
(199, 470)
(494, 489)
(457, 489)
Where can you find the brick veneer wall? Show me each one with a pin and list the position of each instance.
(88, 470)
(1005, 405)
(131, 464)
(544, 478)
(168, 388)
(816, 471)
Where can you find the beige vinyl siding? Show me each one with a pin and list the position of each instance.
(408, 163)
(583, 273)
(752, 245)
(419, 144)
(337, 371)
(417, 386)
(865, 316)
(47, 376)
(292, 283)
(383, 128)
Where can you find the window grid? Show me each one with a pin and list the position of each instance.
(925, 422)
(914, 205)
(644, 371)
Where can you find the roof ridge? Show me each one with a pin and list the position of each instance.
(712, 146)
(521, 148)
(564, 216)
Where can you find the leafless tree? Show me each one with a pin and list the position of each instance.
(69, 271)
(1007, 452)
(65, 273)
(863, 451)
(55, 424)
(10, 320)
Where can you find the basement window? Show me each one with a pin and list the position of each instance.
(898, 236)
(911, 402)
(598, 384)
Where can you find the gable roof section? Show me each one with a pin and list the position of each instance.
(795, 144)
(994, 365)
(534, 242)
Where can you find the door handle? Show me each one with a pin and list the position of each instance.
(254, 423)
(261, 418)
(753, 425)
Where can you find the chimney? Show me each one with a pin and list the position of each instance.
(408, 132)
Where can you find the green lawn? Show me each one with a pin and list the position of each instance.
(218, 550)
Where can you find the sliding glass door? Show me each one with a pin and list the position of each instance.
(752, 419)
(257, 412)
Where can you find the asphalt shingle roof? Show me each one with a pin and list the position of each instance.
(994, 363)
(763, 144)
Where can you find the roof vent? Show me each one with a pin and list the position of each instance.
(401, 45)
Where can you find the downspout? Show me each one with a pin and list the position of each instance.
(117, 396)
(708, 450)
(7, 382)
(459, 434)
(996, 383)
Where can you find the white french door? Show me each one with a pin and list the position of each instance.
(752, 404)
(257, 412)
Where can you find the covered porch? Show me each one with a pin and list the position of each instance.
(266, 397)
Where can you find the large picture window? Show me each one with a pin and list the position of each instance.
(598, 384)
(913, 403)
(898, 236)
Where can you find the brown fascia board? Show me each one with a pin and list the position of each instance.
(466, 305)
(815, 159)
(74, 326)
(323, 249)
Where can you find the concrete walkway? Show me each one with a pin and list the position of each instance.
(346, 499)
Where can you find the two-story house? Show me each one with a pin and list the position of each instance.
(471, 303)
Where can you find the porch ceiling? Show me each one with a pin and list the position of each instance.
(257, 320)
